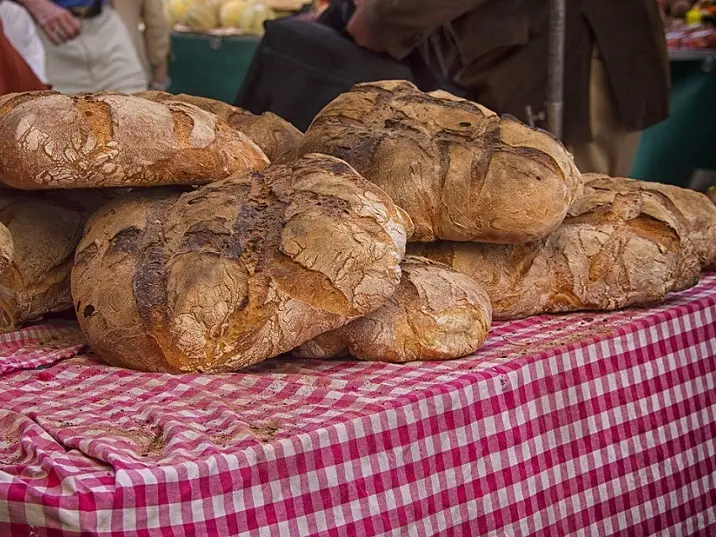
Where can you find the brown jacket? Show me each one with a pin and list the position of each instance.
(498, 50)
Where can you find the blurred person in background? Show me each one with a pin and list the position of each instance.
(616, 67)
(15, 74)
(21, 33)
(87, 46)
(152, 44)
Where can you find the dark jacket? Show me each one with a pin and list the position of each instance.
(497, 49)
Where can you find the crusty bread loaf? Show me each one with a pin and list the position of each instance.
(461, 172)
(7, 248)
(237, 271)
(275, 136)
(614, 250)
(44, 230)
(49, 140)
(435, 314)
(694, 207)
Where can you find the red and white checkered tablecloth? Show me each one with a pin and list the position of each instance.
(583, 424)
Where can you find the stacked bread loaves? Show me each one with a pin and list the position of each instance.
(237, 271)
(282, 254)
(615, 249)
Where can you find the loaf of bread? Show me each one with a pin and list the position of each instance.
(49, 140)
(275, 136)
(7, 248)
(44, 229)
(435, 314)
(695, 208)
(614, 250)
(460, 171)
(237, 271)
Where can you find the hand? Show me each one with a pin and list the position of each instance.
(159, 75)
(58, 23)
(358, 29)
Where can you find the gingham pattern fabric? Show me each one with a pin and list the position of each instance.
(582, 424)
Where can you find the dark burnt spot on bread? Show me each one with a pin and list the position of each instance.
(127, 241)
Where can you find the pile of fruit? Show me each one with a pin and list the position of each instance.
(245, 16)
(689, 24)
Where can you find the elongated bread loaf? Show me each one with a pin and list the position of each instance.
(614, 250)
(435, 314)
(275, 136)
(695, 208)
(461, 172)
(237, 271)
(44, 229)
(49, 140)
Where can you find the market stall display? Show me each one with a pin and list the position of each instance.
(579, 424)
(226, 17)
(181, 390)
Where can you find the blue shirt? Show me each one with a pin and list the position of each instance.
(76, 3)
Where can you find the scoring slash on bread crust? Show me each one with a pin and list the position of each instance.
(460, 171)
(615, 249)
(49, 140)
(276, 137)
(435, 314)
(238, 271)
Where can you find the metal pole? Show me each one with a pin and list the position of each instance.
(554, 104)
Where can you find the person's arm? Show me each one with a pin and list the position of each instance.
(57, 22)
(397, 26)
(156, 36)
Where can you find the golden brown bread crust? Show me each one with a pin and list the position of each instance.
(45, 229)
(695, 208)
(49, 140)
(237, 271)
(614, 250)
(275, 136)
(436, 313)
(7, 248)
(460, 171)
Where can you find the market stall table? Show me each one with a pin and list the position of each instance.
(210, 65)
(582, 424)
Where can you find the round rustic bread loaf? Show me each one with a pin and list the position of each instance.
(695, 208)
(614, 250)
(436, 313)
(44, 230)
(461, 172)
(237, 271)
(275, 136)
(49, 140)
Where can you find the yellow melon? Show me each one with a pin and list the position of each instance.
(253, 17)
(201, 17)
(231, 12)
(175, 11)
